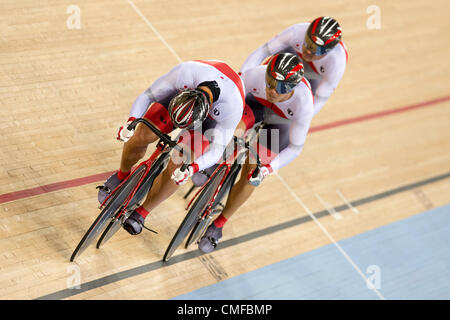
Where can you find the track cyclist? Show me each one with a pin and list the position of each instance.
(279, 96)
(204, 98)
(319, 45)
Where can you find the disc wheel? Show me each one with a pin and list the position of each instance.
(195, 212)
(145, 187)
(113, 205)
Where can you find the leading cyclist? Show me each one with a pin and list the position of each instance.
(205, 98)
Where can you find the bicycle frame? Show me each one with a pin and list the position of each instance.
(208, 209)
(165, 144)
(240, 147)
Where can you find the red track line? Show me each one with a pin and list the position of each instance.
(7, 197)
(377, 114)
(53, 187)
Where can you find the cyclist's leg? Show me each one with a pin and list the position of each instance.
(135, 148)
(238, 195)
(163, 186)
(242, 190)
(273, 139)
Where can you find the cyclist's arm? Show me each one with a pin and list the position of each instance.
(294, 148)
(297, 136)
(286, 156)
(326, 87)
(163, 88)
(279, 43)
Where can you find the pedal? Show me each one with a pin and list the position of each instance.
(124, 216)
(218, 209)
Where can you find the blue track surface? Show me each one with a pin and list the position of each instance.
(411, 255)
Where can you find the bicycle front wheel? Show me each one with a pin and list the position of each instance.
(112, 207)
(201, 226)
(195, 213)
(144, 188)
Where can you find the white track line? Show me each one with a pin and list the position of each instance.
(326, 233)
(356, 211)
(160, 37)
(329, 208)
(279, 177)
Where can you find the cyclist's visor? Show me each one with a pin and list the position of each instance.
(280, 87)
(314, 48)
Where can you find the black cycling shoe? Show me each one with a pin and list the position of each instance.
(134, 223)
(111, 183)
(199, 178)
(211, 239)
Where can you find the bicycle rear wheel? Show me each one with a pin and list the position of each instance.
(112, 207)
(111, 229)
(202, 224)
(195, 212)
(145, 187)
(199, 228)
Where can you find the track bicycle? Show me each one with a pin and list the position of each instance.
(208, 200)
(128, 195)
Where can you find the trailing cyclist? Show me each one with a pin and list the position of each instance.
(279, 96)
(319, 45)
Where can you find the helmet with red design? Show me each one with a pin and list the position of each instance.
(284, 72)
(189, 108)
(323, 34)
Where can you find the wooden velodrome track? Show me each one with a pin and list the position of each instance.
(64, 92)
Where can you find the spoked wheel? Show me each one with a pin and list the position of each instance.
(117, 222)
(194, 214)
(217, 207)
(109, 211)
